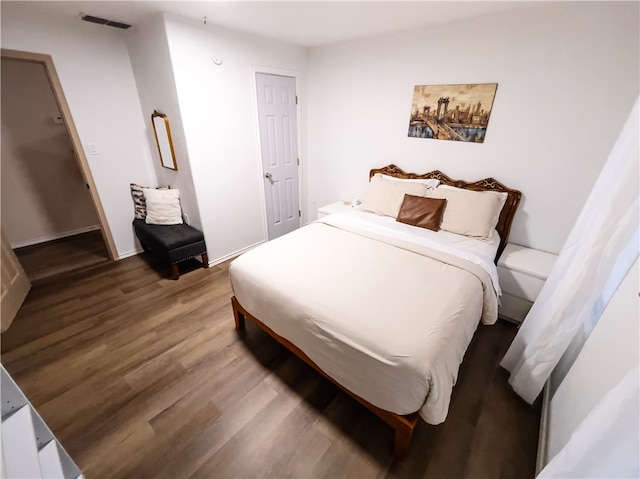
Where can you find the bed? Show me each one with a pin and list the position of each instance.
(379, 303)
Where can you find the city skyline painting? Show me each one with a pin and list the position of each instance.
(452, 112)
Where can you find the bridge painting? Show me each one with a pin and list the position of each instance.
(452, 112)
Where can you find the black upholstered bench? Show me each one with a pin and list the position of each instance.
(172, 243)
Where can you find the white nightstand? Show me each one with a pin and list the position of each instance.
(336, 207)
(522, 273)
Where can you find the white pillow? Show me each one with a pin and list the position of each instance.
(385, 197)
(469, 213)
(428, 182)
(500, 194)
(163, 207)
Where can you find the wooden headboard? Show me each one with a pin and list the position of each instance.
(488, 184)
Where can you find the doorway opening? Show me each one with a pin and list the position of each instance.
(51, 213)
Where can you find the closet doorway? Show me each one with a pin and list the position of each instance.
(51, 212)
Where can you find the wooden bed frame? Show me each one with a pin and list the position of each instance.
(403, 425)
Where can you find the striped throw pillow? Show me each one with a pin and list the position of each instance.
(139, 204)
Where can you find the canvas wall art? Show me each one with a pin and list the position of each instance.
(452, 112)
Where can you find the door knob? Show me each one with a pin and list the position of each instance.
(268, 175)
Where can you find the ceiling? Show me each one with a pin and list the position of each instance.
(306, 23)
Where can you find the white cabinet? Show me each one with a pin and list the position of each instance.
(336, 207)
(29, 448)
(19, 450)
(522, 273)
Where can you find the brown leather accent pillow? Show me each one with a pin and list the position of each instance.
(422, 212)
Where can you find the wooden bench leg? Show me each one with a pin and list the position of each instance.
(205, 260)
(175, 272)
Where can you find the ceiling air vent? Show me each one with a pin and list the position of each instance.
(104, 21)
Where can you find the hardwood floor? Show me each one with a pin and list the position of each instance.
(63, 255)
(141, 376)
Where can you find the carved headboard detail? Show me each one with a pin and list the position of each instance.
(488, 184)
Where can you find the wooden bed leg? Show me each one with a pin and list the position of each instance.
(205, 260)
(237, 315)
(401, 442)
(175, 272)
(239, 320)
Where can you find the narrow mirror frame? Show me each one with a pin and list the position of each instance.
(163, 142)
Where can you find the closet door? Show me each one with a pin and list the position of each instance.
(277, 115)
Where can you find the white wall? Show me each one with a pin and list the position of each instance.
(157, 89)
(217, 105)
(609, 353)
(567, 77)
(93, 65)
(567, 74)
(43, 194)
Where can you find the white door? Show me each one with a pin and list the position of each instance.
(15, 285)
(277, 114)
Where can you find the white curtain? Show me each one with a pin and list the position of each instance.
(606, 443)
(608, 221)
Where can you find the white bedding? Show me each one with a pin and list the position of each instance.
(373, 305)
(481, 252)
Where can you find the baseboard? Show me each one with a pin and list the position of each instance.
(214, 262)
(222, 259)
(541, 459)
(128, 254)
(44, 239)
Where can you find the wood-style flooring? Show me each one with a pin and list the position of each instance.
(141, 376)
(59, 256)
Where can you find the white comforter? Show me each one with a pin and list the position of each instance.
(387, 317)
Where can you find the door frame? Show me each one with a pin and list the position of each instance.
(79, 155)
(256, 122)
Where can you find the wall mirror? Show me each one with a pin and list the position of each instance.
(163, 140)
